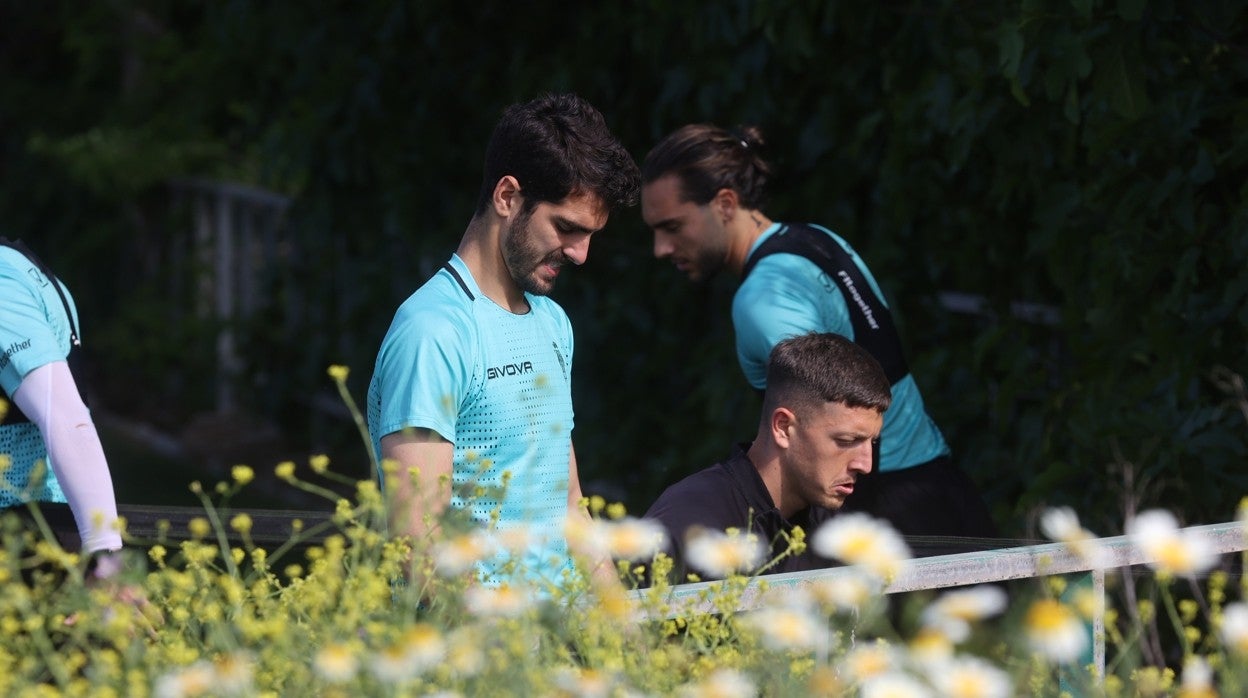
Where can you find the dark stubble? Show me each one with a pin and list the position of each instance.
(523, 257)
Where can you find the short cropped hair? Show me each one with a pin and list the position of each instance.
(555, 146)
(816, 368)
(707, 158)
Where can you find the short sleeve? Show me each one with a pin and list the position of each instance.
(27, 339)
(424, 372)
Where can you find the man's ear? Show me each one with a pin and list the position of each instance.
(725, 204)
(782, 421)
(506, 198)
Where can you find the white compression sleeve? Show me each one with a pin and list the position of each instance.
(49, 397)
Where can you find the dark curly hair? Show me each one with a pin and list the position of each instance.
(557, 145)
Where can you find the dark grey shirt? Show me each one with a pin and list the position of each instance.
(730, 494)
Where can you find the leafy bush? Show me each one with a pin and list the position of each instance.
(214, 614)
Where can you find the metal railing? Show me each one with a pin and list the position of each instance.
(976, 567)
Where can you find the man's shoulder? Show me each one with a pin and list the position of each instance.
(705, 496)
(439, 301)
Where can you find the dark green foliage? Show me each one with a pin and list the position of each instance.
(1086, 155)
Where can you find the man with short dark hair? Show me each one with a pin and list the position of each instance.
(822, 414)
(472, 382)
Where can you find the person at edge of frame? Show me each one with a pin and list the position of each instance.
(47, 434)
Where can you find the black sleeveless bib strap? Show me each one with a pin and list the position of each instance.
(74, 359)
(872, 322)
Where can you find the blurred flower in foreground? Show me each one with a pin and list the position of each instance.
(970, 677)
(868, 661)
(721, 683)
(635, 539)
(953, 613)
(464, 655)
(583, 682)
(454, 556)
(894, 684)
(785, 628)
(861, 540)
(629, 538)
(498, 602)
(1234, 628)
(390, 665)
(930, 648)
(720, 554)
(336, 663)
(1174, 551)
(1055, 631)
(234, 674)
(1197, 679)
(423, 646)
(1061, 524)
(846, 592)
(195, 680)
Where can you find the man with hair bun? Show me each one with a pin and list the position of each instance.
(703, 191)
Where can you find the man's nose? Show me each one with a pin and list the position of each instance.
(863, 458)
(577, 249)
(662, 246)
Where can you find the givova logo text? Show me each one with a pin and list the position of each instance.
(521, 368)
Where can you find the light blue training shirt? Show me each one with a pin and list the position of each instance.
(34, 332)
(495, 384)
(787, 295)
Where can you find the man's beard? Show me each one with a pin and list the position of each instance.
(523, 257)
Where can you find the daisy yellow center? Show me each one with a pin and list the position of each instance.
(1048, 616)
(968, 685)
(856, 546)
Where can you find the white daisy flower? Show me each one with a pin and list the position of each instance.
(336, 663)
(1055, 631)
(464, 654)
(503, 601)
(858, 539)
(635, 539)
(847, 592)
(587, 537)
(1197, 678)
(954, 611)
(455, 556)
(1156, 532)
(198, 679)
(867, 661)
(1061, 524)
(970, 677)
(721, 683)
(234, 674)
(423, 646)
(584, 682)
(930, 647)
(785, 628)
(1234, 628)
(894, 684)
(391, 665)
(719, 554)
